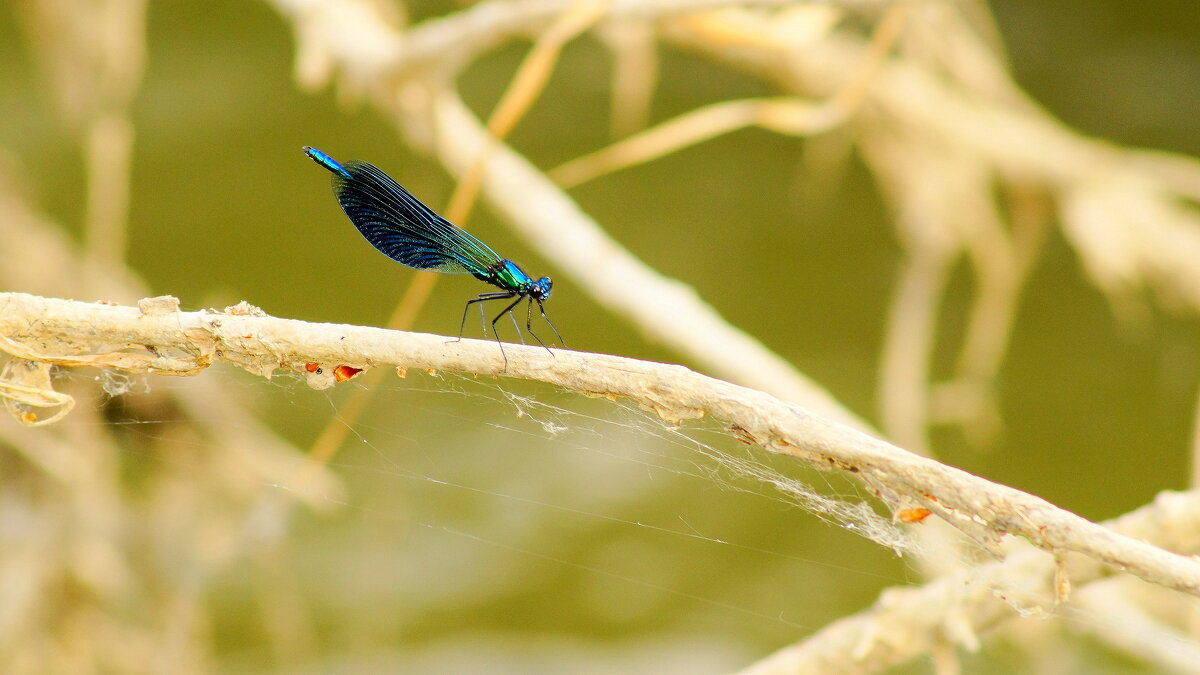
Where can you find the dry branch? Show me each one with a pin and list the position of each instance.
(906, 623)
(157, 338)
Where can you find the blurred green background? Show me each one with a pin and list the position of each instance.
(531, 558)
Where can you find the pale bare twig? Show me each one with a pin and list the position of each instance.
(454, 40)
(1194, 477)
(1119, 619)
(633, 47)
(908, 349)
(908, 622)
(783, 115)
(522, 92)
(109, 149)
(352, 35)
(93, 54)
(71, 333)
(1003, 259)
(786, 115)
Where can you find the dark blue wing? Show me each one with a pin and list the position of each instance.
(402, 228)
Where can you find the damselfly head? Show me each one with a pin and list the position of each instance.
(540, 290)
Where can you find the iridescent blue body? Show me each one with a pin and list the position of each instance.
(399, 226)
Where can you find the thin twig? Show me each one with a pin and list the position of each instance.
(1127, 626)
(908, 622)
(783, 115)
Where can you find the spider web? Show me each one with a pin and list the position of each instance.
(479, 524)
(460, 490)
